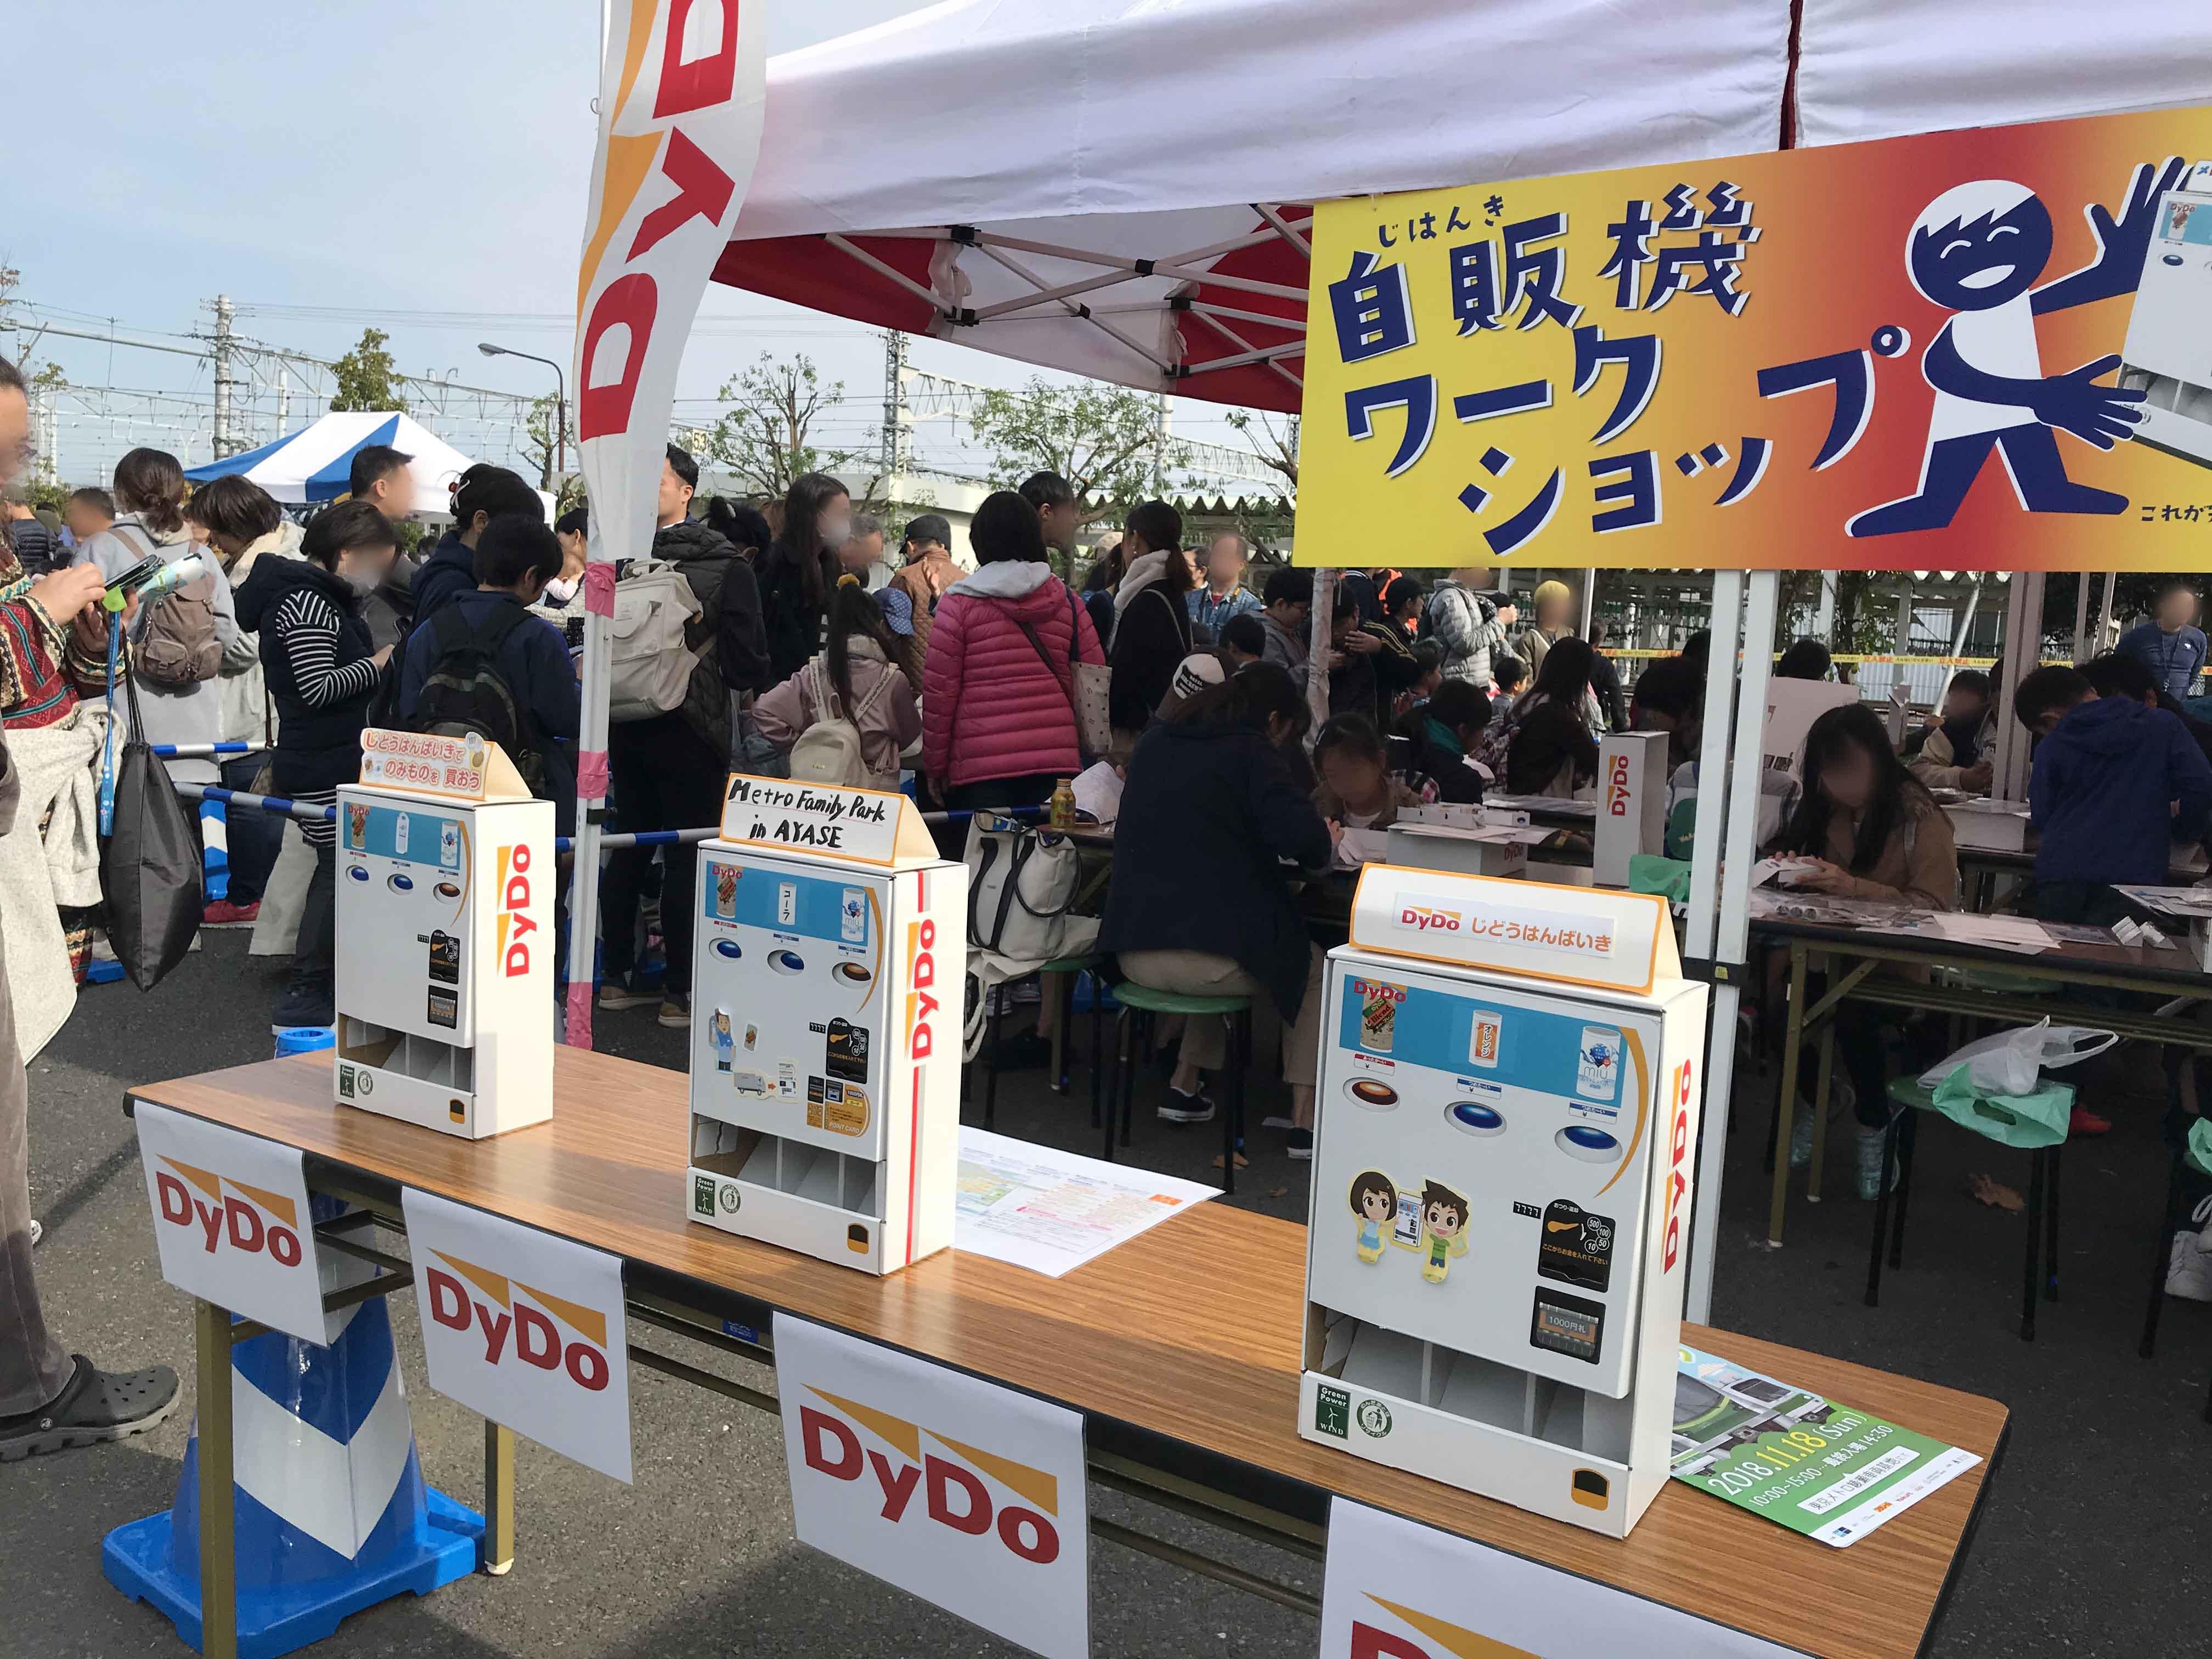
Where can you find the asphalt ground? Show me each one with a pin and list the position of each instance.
(2090, 1543)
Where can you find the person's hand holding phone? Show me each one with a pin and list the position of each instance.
(63, 593)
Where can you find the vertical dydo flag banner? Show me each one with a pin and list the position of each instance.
(1985, 349)
(964, 1493)
(1395, 1589)
(682, 88)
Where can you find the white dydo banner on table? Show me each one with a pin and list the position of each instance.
(964, 1493)
(523, 1329)
(1395, 1589)
(231, 1222)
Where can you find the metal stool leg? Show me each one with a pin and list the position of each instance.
(2161, 1250)
(1129, 1073)
(1907, 1125)
(1122, 1036)
(1881, 1220)
(2051, 1228)
(2028, 1286)
(991, 1058)
(1232, 1112)
(1097, 1042)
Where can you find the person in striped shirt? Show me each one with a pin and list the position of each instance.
(322, 668)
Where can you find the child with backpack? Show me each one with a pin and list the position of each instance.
(848, 716)
(482, 663)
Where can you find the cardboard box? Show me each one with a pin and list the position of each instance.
(1631, 805)
(1994, 826)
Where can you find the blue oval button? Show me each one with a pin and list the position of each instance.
(728, 947)
(1592, 1146)
(787, 961)
(2172, 259)
(1475, 1118)
(357, 872)
(403, 883)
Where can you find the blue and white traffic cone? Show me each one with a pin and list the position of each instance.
(331, 1512)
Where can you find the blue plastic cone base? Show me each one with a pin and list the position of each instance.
(301, 1404)
(136, 1558)
(304, 1039)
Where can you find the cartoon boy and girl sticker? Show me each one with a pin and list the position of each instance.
(1374, 1201)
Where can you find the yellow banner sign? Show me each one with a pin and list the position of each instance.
(1984, 350)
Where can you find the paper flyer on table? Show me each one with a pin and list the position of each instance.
(1832, 1473)
(1051, 1211)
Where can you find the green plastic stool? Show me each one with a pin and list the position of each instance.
(1897, 1143)
(2193, 1156)
(1142, 1002)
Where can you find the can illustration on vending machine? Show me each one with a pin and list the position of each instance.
(1378, 1014)
(1597, 1067)
(357, 825)
(1482, 1043)
(449, 844)
(726, 892)
(853, 916)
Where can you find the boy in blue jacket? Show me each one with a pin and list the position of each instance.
(2115, 786)
(514, 557)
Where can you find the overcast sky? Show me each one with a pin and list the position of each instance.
(402, 156)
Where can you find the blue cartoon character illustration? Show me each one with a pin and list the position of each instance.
(1375, 1206)
(1978, 250)
(1443, 1229)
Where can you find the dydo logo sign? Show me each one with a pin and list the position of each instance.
(963, 1493)
(523, 1329)
(1395, 1589)
(515, 927)
(1679, 1139)
(230, 1220)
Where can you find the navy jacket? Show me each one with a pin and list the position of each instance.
(2104, 791)
(534, 661)
(450, 569)
(2173, 658)
(1208, 813)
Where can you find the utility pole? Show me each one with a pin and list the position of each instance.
(897, 459)
(225, 442)
(283, 399)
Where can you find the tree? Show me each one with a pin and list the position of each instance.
(538, 448)
(1103, 439)
(366, 376)
(767, 438)
(1277, 448)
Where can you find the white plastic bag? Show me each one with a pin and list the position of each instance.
(2013, 1062)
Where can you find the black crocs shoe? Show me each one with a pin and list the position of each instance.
(96, 1406)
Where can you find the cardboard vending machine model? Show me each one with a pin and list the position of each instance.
(445, 938)
(827, 972)
(1509, 1088)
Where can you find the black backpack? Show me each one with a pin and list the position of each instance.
(465, 692)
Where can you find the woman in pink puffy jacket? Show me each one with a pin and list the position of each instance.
(998, 704)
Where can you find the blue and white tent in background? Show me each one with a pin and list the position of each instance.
(312, 465)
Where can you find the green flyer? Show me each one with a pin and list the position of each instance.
(1831, 1472)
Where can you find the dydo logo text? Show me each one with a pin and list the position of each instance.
(259, 1223)
(1677, 1155)
(921, 1003)
(951, 1493)
(1617, 790)
(514, 924)
(516, 1332)
(1426, 914)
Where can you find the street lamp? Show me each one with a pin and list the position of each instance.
(560, 401)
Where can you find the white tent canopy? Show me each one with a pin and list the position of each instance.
(313, 464)
(937, 172)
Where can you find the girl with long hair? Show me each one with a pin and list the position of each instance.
(801, 568)
(857, 668)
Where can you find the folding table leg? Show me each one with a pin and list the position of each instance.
(1786, 1103)
(1907, 1123)
(990, 1056)
(1823, 1074)
(218, 1513)
(499, 1498)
